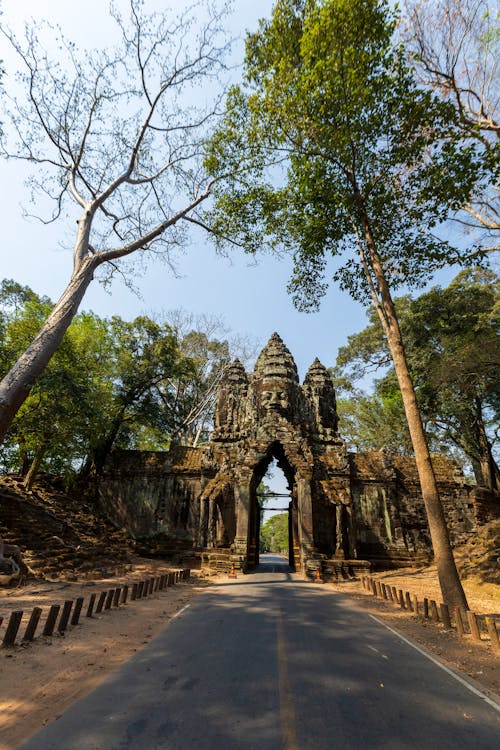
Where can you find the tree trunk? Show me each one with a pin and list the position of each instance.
(490, 475)
(100, 453)
(451, 588)
(24, 463)
(16, 385)
(33, 470)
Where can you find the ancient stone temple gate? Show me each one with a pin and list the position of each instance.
(343, 506)
(270, 415)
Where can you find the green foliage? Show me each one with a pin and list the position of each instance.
(374, 422)
(274, 534)
(328, 133)
(131, 384)
(454, 355)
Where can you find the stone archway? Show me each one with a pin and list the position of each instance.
(269, 414)
(274, 451)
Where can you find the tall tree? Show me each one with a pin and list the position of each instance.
(113, 133)
(455, 46)
(144, 358)
(52, 426)
(454, 355)
(364, 175)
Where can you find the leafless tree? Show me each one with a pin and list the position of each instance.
(119, 134)
(212, 346)
(455, 45)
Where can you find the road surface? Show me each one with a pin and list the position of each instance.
(270, 662)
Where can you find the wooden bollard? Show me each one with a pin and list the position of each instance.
(14, 622)
(157, 583)
(51, 620)
(415, 605)
(384, 591)
(133, 595)
(426, 608)
(140, 589)
(32, 624)
(434, 611)
(401, 599)
(109, 599)
(77, 611)
(394, 595)
(90, 608)
(389, 593)
(408, 601)
(492, 632)
(125, 594)
(459, 622)
(445, 615)
(116, 596)
(100, 603)
(66, 611)
(152, 584)
(474, 627)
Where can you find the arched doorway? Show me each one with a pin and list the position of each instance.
(275, 453)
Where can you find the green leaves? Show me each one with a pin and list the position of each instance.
(330, 132)
(453, 351)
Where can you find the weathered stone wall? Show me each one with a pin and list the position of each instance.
(364, 505)
(158, 494)
(153, 493)
(390, 515)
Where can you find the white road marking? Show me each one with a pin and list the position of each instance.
(180, 611)
(455, 676)
(378, 652)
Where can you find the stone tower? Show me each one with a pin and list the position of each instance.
(267, 416)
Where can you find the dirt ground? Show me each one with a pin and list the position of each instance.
(38, 681)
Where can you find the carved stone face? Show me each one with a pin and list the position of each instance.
(275, 399)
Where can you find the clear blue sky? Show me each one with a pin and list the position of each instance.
(251, 297)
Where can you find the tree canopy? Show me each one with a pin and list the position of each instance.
(112, 383)
(454, 355)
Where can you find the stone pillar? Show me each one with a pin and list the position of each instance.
(351, 532)
(242, 493)
(339, 531)
(202, 531)
(304, 501)
(212, 521)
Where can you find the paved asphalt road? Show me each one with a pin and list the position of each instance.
(270, 663)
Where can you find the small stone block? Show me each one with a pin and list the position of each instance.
(66, 611)
(109, 599)
(100, 603)
(77, 611)
(32, 624)
(15, 618)
(90, 608)
(51, 620)
(473, 625)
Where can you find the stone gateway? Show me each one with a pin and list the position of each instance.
(346, 509)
